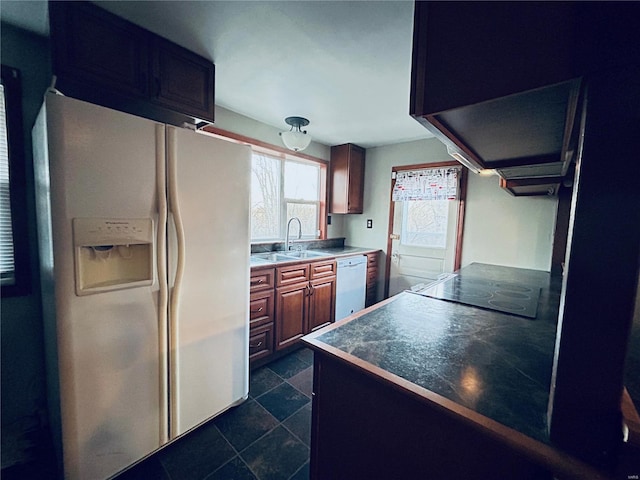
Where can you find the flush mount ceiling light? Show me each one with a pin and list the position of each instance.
(296, 139)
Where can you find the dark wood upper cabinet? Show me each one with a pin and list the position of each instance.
(174, 68)
(104, 59)
(500, 82)
(347, 178)
(526, 187)
(94, 47)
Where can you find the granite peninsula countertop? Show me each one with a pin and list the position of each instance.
(495, 364)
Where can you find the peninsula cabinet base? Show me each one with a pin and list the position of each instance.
(365, 429)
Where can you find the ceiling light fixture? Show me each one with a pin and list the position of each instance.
(296, 139)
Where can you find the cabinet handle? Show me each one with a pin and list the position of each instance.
(310, 290)
(257, 282)
(257, 311)
(255, 345)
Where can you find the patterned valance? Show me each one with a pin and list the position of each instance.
(428, 184)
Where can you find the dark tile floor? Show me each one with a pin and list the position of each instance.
(265, 438)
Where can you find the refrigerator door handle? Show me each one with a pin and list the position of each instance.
(161, 266)
(174, 301)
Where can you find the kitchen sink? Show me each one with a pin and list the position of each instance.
(258, 258)
(304, 254)
(272, 257)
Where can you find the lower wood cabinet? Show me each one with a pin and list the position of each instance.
(400, 434)
(261, 309)
(261, 342)
(372, 279)
(305, 300)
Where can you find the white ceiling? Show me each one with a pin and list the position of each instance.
(343, 65)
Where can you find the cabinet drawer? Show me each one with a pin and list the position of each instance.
(261, 308)
(260, 342)
(326, 268)
(261, 279)
(292, 274)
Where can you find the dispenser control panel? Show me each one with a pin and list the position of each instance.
(111, 231)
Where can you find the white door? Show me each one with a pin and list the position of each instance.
(92, 162)
(210, 321)
(423, 242)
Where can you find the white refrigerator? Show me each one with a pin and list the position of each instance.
(144, 248)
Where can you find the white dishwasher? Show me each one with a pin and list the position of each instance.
(350, 285)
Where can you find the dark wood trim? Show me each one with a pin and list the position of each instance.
(259, 143)
(512, 184)
(631, 418)
(461, 208)
(324, 201)
(423, 166)
(387, 262)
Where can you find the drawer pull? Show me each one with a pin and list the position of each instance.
(255, 345)
(257, 282)
(257, 311)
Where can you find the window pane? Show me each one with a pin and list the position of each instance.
(425, 223)
(308, 215)
(7, 267)
(265, 197)
(301, 181)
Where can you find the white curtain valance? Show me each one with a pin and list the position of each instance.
(427, 184)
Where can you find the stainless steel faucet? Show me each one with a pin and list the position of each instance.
(286, 238)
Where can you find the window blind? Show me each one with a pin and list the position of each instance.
(426, 184)
(7, 264)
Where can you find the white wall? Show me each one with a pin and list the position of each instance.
(377, 188)
(499, 228)
(506, 230)
(377, 191)
(237, 123)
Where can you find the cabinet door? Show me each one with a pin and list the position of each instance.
(292, 305)
(95, 49)
(322, 303)
(260, 342)
(372, 279)
(356, 180)
(182, 80)
(347, 178)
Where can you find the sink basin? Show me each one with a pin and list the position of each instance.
(304, 254)
(258, 258)
(271, 257)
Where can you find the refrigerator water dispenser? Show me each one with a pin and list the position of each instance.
(112, 254)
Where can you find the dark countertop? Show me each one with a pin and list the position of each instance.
(495, 364)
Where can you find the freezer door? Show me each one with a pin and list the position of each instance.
(103, 349)
(209, 185)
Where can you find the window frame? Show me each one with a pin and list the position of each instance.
(284, 154)
(285, 201)
(12, 82)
